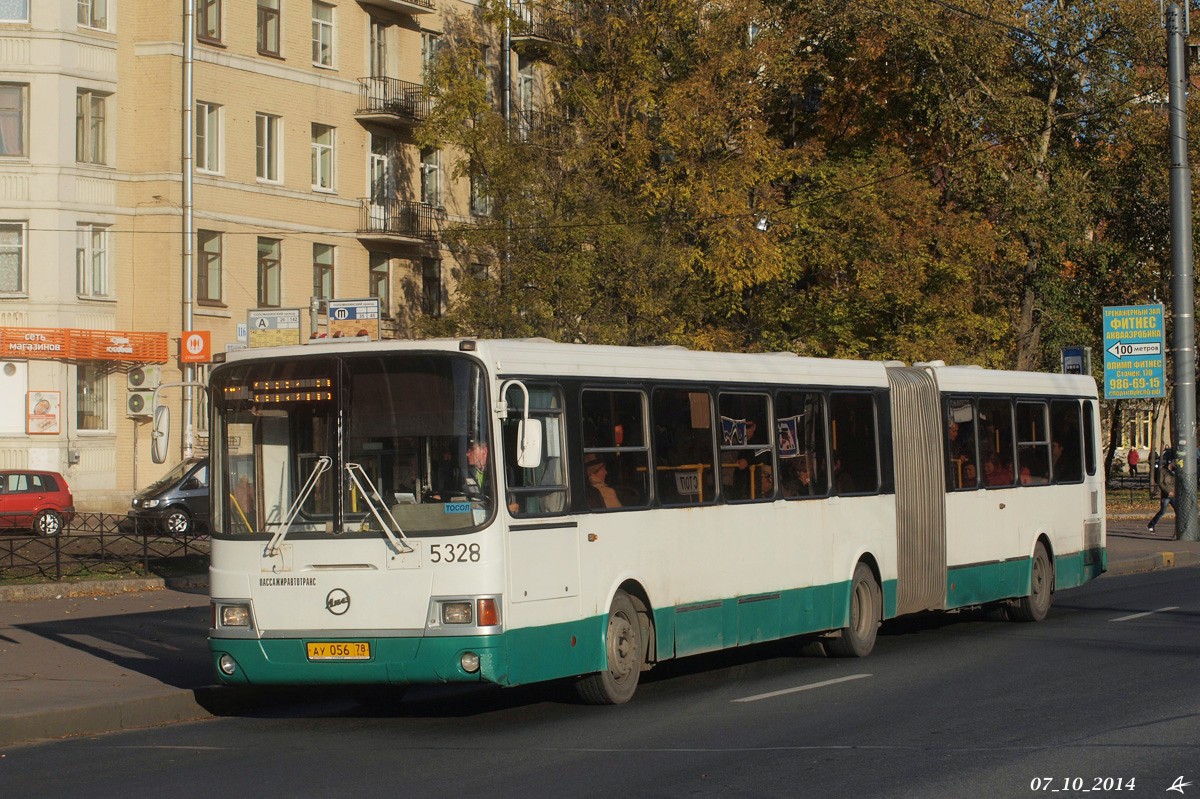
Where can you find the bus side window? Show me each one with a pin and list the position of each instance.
(615, 456)
(542, 490)
(1089, 436)
(1066, 464)
(852, 435)
(800, 441)
(996, 442)
(683, 447)
(962, 457)
(747, 462)
(1033, 444)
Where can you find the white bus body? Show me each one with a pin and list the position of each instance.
(519, 573)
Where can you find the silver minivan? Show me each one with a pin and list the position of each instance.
(177, 502)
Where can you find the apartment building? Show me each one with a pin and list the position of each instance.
(307, 183)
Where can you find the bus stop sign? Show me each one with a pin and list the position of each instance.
(1134, 352)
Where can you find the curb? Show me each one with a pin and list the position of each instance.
(35, 591)
(125, 714)
(178, 705)
(1154, 562)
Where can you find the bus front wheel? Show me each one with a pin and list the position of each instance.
(1036, 605)
(858, 638)
(625, 653)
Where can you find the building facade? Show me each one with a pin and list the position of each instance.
(307, 183)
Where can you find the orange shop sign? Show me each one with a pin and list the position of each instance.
(195, 347)
(85, 345)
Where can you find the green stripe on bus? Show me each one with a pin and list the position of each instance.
(989, 582)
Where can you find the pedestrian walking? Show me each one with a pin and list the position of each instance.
(1166, 487)
(1133, 459)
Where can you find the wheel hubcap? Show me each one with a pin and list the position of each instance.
(620, 647)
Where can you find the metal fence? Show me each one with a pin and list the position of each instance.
(99, 545)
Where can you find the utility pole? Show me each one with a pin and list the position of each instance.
(189, 110)
(1182, 283)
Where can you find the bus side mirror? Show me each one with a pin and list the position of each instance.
(160, 436)
(529, 443)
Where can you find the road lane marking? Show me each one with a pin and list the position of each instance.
(799, 688)
(1147, 613)
(110, 647)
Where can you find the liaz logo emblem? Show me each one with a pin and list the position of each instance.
(337, 602)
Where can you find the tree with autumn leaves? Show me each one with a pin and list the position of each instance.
(909, 179)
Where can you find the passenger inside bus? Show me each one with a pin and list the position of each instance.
(599, 493)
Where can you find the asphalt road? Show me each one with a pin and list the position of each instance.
(948, 705)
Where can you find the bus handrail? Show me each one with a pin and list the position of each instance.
(323, 464)
(401, 544)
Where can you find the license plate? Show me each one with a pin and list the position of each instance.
(339, 650)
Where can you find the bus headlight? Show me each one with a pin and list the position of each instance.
(457, 613)
(235, 615)
(469, 662)
(227, 665)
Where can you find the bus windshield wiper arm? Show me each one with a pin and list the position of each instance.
(355, 471)
(322, 466)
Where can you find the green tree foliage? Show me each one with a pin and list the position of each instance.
(909, 179)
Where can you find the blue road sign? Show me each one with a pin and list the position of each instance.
(1134, 352)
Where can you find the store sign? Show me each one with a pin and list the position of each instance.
(85, 345)
(195, 346)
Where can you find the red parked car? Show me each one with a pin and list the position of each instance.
(35, 500)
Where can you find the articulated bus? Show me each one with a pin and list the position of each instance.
(507, 512)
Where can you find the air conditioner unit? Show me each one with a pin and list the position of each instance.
(139, 403)
(143, 377)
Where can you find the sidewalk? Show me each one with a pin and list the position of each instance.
(79, 663)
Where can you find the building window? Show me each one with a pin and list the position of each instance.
(481, 201)
(208, 137)
(91, 396)
(322, 34)
(12, 119)
(268, 273)
(90, 127)
(430, 43)
(93, 13)
(267, 147)
(378, 49)
(14, 10)
(431, 287)
(380, 282)
(91, 261)
(431, 173)
(208, 266)
(322, 157)
(268, 27)
(12, 257)
(323, 274)
(208, 20)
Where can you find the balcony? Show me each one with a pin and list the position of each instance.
(399, 221)
(392, 101)
(537, 29)
(410, 7)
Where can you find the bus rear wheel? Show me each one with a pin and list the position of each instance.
(858, 637)
(625, 654)
(1036, 605)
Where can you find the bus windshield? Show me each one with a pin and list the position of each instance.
(414, 425)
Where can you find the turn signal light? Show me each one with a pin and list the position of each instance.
(489, 614)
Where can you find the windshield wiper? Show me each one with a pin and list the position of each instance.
(322, 466)
(354, 470)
